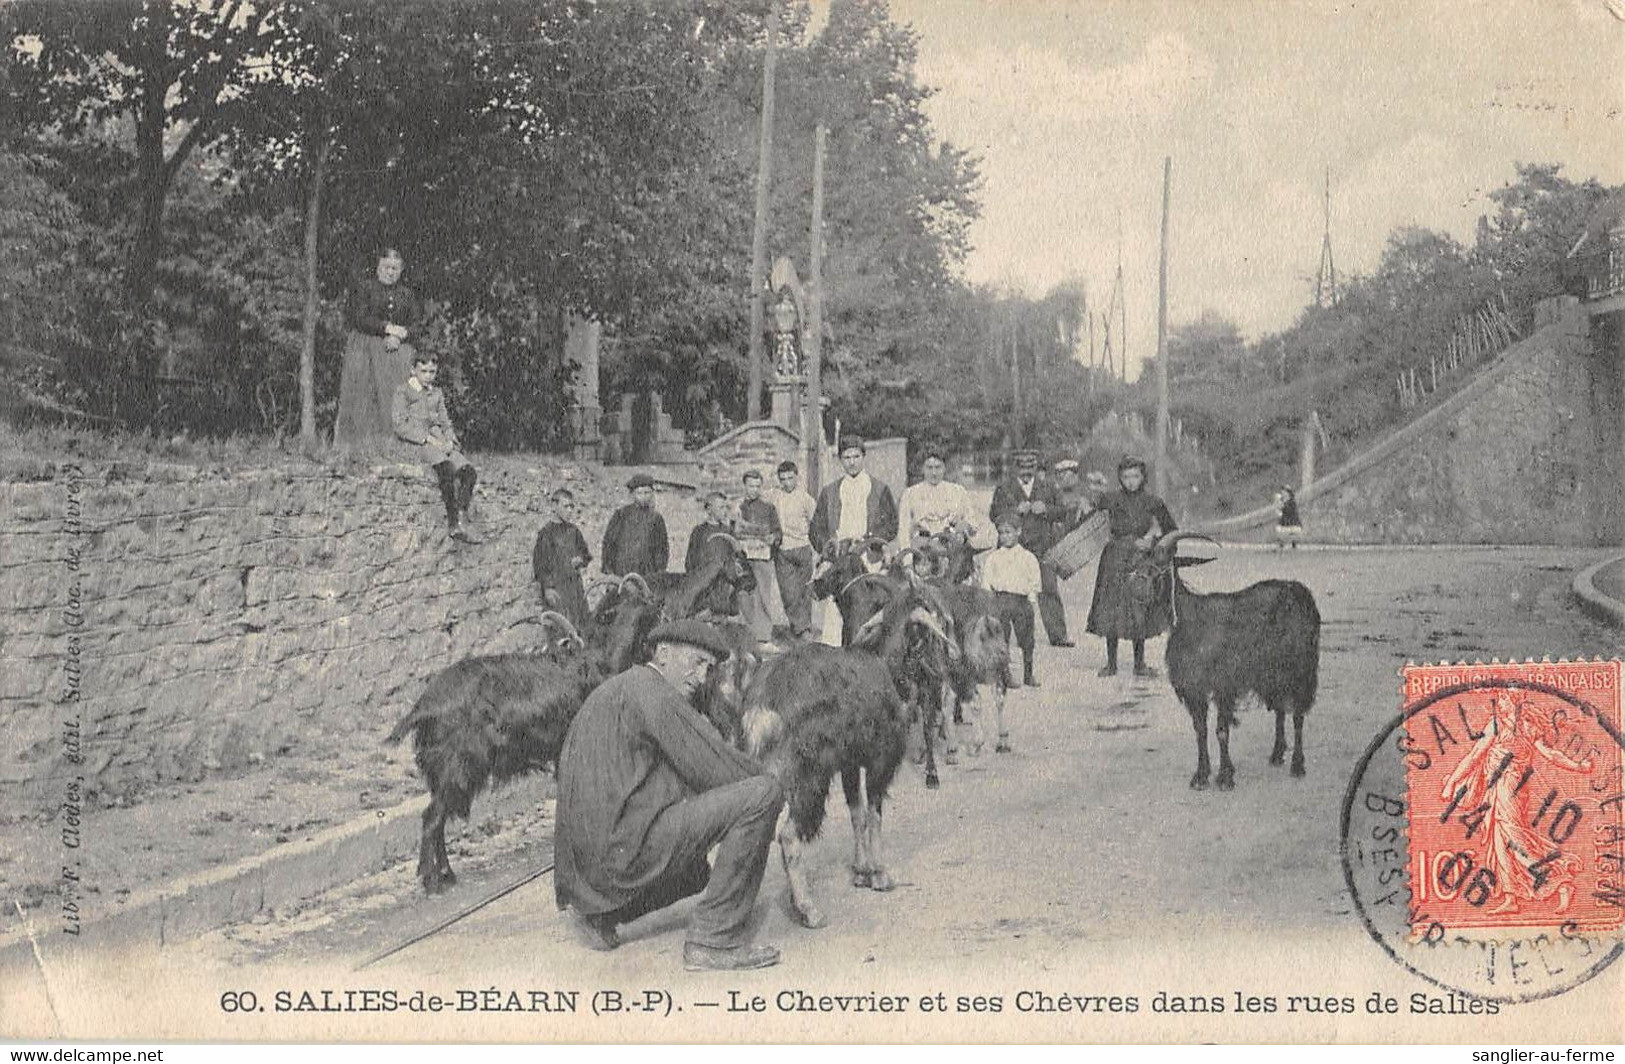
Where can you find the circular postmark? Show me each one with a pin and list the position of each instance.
(1483, 832)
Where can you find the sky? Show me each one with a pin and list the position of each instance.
(1418, 110)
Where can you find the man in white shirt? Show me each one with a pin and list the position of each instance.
(933, 506)
(857, 512)
(1011, 572)
(857, 509)
(793, 560)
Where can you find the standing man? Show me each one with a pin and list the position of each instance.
(854, 513)
(1076, 504)
(1036, 505)
(857, 509)
(793, 561)
(647, 787)
(759, 535)
(635, 541)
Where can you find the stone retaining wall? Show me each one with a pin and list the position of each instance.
(197, 621)
(1525, 453)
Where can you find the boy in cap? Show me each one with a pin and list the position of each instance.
(418, 414)
(635, 539)
(647, 787)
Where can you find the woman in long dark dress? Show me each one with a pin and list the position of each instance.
(1122, 608)
(378, 353)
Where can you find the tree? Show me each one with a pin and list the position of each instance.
(171, 69)
(1525, 244)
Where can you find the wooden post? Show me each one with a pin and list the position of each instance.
(812, 412)
(1019, 434)
(1160, 470)
(1091, 344)
(758, 237)
(312, 308)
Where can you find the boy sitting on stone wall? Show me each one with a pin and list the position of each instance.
(419, 416)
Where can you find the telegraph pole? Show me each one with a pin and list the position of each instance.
(758, 238)
(1160, 480)
(812, 411)
(1326, 276)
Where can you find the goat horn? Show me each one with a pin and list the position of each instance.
(549, 617)
(637, 578)
(1167, 543)
(862, 632)
(923, 616)
(723, 535)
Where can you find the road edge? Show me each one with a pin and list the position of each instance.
(195, 904)
(1594, 598)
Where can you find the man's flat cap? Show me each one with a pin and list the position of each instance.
(692, 633)
(1066, 465)
(640, 480)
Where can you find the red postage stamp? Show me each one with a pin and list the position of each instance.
(1515, 798)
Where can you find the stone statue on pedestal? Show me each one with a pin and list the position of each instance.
(786, 336)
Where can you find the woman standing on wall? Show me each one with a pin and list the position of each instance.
(1122, 606)
(381, 315)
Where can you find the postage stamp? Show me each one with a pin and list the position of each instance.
(1483, 832)
(1514, 806)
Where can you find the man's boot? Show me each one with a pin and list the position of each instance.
(698, 958)
(1027, 677)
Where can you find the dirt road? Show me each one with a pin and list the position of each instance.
(1080, 864)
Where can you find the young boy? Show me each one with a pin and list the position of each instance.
(759, 533)
(560, 555)
(702, 548)
(419, 417)
(1010, 571)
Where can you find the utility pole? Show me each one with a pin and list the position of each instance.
(812, 411)
(1017, 418)
(1160, 470)
(758, 237)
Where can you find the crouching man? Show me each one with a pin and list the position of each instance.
(646, 788)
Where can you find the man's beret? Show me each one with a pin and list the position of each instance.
(1066, 465)
(692, 633)
(640, 480)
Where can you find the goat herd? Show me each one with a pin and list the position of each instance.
(919, 646)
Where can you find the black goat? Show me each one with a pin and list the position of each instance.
(815, 711)
(980, 676)
(722, 573)
(620, 623)
(920, 676)
(1263, 639)
(489, 719)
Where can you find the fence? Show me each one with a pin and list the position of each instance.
(1479, 336)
